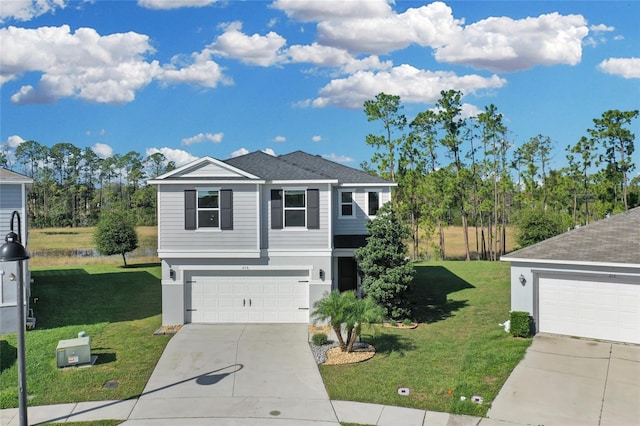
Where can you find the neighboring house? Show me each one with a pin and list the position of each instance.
(259, 238)
(13, 197)
(585, 282)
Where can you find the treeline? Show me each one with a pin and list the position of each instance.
(72, 185)
(467, 171)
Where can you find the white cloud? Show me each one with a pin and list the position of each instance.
(200, 70)
(253, 50)
(269, 151)
(179, 156)
(327, 56)
(430, 25)
(202, 137)
(504, 44)
(316, 138)
(14, 140)
(601, 28)
(102, 150)
(337, 158)
(499, 44)
(173, 4)
(306, 11)
(624, 67)
(87, 65)
(279, 139)
(411, 84)
(25, 10)
(239, 152)
(83, 64)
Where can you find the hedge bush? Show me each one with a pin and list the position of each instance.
(520, 324)
(319, 339)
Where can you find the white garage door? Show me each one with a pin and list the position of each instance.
(599, 308)
(248, 296)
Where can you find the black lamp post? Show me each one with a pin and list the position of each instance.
(13, 251)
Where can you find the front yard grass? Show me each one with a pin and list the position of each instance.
(119, 309)
(457, 350)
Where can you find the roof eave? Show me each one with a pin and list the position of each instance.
(568, 262)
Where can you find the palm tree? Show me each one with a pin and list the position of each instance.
(345, 308)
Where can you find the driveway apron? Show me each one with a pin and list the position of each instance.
(237, 371)
(566, 381)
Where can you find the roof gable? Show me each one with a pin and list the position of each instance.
(612, 240)
(205, 168)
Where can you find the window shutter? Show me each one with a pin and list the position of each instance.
(189, 209)
(276, 209)
(226, 209)
(313, 209)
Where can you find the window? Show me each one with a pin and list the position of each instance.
(208, 208)
(294, 208)
(373, 202)
(346, 204)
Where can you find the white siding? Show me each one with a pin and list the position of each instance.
(355, 225)
(291, 238)
(172, 235)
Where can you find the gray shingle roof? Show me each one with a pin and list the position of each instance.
(612, 240)
(301, 166)
(6, 174)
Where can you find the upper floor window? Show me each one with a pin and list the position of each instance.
(346, 204)
(208, 208)
(295, 210)
(373, 202)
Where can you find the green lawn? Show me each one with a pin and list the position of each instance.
(119, 308)
(457, 350)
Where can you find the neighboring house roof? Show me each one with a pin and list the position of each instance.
(614, 240)
(301, 166)
(9, 176)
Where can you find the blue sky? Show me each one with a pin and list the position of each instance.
(200, 77)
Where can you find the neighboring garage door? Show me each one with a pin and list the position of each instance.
(248, 296)
(595, 307)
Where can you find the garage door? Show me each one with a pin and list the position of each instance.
(248, 296)
(594, 307)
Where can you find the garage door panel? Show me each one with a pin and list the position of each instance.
(232, 297)
(585, 307)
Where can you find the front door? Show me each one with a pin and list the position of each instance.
(347, 274)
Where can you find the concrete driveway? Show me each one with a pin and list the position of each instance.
(566, 381)
(226, 374)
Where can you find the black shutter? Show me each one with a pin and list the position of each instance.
(189, 209)
(313, 209)
(276, 209)
(226, 209)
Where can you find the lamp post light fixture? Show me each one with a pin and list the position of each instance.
(13, 251)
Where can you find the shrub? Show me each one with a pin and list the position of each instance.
(319, 339)
(520, 324)
(407, 322)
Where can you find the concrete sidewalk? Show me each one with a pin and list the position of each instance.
(344, 411)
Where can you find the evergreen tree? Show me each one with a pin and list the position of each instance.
(383, 262)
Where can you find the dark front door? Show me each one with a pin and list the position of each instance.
(347, 274)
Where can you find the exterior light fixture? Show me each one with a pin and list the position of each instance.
(522, 279)
(13, 251)
(322, 274)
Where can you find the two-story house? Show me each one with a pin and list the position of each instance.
(259, 238)
(13, 198)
